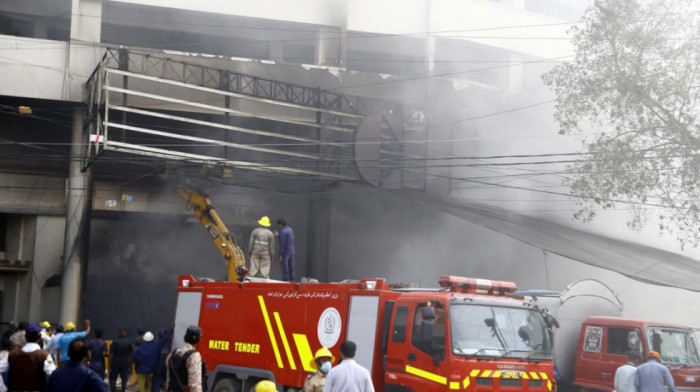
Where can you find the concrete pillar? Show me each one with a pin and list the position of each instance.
(86, 20)
(318, 246)
(77, 227)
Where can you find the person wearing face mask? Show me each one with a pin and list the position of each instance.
(322, 362)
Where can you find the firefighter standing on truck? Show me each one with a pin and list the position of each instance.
(185, 368)
(322, 362)
(260, 248)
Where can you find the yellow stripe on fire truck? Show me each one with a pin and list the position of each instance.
(273, 341)
(474, 374)
(285, 343)
(544, 377)
(304, 350)
(426, 375)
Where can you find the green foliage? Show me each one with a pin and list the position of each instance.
(634, 85)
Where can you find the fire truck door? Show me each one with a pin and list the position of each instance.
(362, 327)
(618, 342)
(416, 350)
(589, 358)
(186, 314)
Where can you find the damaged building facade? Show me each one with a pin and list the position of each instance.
(351, 119)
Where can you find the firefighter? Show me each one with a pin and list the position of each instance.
(265, 386)
(260, 248)
(322, 362)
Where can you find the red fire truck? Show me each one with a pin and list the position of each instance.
(465, 335)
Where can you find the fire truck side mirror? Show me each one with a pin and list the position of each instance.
(553, 321)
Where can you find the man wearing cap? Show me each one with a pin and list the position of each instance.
(28, 367)
(68, 335)
(145, 357)
(651, 376)
(322, 362)
(260, 248)
(45, 333)
(348, 375)
(184, 366)
(74, 376)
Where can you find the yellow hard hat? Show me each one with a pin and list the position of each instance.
(70, 326)
(264, 221)
(45, 324)
(321, 353)
(265, 386)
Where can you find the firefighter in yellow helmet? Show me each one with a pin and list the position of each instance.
(265, 386)
(261, 248)
(322, 362)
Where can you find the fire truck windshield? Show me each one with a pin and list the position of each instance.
(676, 346)
(499, 332)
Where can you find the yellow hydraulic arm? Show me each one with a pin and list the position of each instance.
(225, 243)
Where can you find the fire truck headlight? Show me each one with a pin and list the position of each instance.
(185, 282)
(371, 284)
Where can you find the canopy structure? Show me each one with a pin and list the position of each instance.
(639, 262)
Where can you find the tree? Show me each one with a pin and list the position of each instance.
(634, 85)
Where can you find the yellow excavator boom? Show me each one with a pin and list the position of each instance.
(225, 242)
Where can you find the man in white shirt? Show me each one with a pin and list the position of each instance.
(348, 376)
(624, 375)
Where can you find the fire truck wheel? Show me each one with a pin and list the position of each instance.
(227, 385)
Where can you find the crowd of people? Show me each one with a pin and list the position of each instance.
(57, 358)
(41, 357)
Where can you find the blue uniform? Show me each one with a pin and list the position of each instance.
(65, 340)
(98, 348)
(651, 377)
(75, 377)
(287, 252)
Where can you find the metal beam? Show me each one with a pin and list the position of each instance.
(224, 110)
(227, 127)
(169, 154)
(235, 95)
(209, 141)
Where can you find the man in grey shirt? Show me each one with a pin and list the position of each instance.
(348, 376)
(624, 375)
(651, 376)
(260, 248)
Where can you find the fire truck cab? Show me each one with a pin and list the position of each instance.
(605, 341)
(466, 335)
